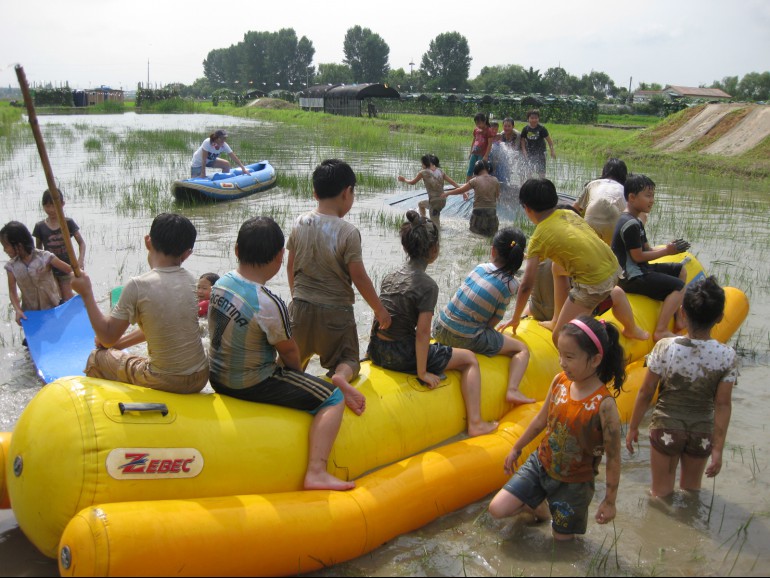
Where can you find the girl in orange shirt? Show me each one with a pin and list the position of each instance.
(581, 423)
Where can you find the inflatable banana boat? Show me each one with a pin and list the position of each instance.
(116, 479)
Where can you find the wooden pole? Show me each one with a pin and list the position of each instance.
(47, 168)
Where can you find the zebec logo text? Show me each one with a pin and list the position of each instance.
(154, 463)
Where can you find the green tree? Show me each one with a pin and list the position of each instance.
(333, 73)
(400, 80)
(533, 80)
(755, 86)
(367, 55)
(598, 85)
(503, 79)
(556, 80)
(729, 84)
(447, 62)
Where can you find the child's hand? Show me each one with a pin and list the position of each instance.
(19, 316)
(82, 285)
(431, 380)
(716, 464)
(513, 324)
(681, 245)
(466, 196)
(511, 460)
(605, 513)
(401, 179)
(383, 317)
(632, 437)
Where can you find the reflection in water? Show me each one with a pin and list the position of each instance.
(116, 171)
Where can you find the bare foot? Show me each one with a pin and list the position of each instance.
(482, 428)
(515, 397)
(326, 481)
(658, 335)
(354, 399)
(637, 333)
(549, 325)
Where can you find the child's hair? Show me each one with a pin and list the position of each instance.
(426, 160)
(418, 236)
(510, 244)
(494, 124)
(481, 165)
(172, 234)
(616, 170)
(218, 134)
(260, 239)
(434, 161)
(48, 197)
(635, 184)
(704, 302)
(18, 236)
(539, 194)
(332, 177)
(612, 367)
(210, 277)
(481, 116)
(533, 112)
(509, 119)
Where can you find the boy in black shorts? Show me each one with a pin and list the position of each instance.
(660, 281)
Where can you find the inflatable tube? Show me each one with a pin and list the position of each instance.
(226, 186)
(207, 445)
(298, 532)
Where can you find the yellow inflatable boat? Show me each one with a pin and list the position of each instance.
(117, 479)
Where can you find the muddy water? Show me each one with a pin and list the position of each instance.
(116, 172)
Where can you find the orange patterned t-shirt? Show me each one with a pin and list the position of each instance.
(573, 444)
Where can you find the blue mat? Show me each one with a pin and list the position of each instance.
(60, 339)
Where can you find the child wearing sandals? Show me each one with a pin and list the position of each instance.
(694, 376)
(410, 295)
(470, 317)
(581, 423)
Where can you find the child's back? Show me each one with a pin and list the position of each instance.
(36, 281)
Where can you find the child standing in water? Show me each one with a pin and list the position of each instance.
(481, 143)
(486, 192)
(410, 295)
(470, 317)
(48, 236)
(534, 137)
(694, 376)
(581, 422)
(31, 270)
(434, 179)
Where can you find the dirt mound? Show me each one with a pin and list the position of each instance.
(273, 103)
(734, 138)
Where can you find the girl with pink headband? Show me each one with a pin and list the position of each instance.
(581, 423)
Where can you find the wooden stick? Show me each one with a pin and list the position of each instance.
(47, 168)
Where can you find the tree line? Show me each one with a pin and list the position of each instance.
(268, 61)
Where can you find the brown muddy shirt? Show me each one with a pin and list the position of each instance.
(323, 246)
(486, 191)
(406, 293)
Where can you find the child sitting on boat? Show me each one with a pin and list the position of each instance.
(203, 292)
(208, 153)
(30, 271)
(486, 192)
(581, 422)
(694, 376)
(470, 317)
(434, 179)
(410, 295)
(162, 302)
(48, 236)
(578, 254)
(660, 281)
(249, 325)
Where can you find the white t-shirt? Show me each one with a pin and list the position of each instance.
(212, 152)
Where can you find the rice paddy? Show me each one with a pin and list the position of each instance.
(116, 173)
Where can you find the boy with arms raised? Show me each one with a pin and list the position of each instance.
(162, 302)
(249, 324)
(325, 260)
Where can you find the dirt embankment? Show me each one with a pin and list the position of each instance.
(728, 129)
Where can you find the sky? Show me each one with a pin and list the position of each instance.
(89, 43)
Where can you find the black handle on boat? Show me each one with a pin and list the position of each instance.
(161, 407)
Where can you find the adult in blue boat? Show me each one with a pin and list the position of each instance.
(208, 153)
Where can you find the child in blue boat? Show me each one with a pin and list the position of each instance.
(208, 153)
(251, 331)
(30, 270)
(410, 295)
(470, 317)
(581, 422)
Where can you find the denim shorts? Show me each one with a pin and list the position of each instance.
(402, 356)
(488, 342)
(567, 501)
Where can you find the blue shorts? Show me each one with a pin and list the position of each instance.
(488, 342)
(402, 356)
(567, 501)
(196, 172)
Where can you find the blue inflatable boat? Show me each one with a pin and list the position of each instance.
(226, 186)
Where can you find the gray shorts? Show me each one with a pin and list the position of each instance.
(488, 342)
(568, 502)
(402, 356)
